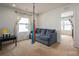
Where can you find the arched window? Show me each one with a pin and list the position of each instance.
(23, 25)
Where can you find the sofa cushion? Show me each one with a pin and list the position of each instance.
(48, 32)
(42, 32)
(52, 31)
(44, 37)
(38, 35)
(38, 30)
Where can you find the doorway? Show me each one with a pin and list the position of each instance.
(67, 29)
(66, 26)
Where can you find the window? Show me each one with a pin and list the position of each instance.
(66, 25)
(23, 25)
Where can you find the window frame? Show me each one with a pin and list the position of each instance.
(26, 25)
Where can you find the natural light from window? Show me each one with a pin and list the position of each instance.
(66, 25)
(23, 25)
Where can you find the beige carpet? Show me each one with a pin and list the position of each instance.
(25, 48)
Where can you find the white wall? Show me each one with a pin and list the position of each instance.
(77, 27)
(7, 18)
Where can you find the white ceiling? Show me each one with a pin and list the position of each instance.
(39, 7)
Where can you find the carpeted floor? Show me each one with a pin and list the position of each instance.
(25, 48)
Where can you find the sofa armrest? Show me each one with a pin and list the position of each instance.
(53, 38)
(53, 35)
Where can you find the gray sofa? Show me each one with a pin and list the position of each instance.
(46, 36)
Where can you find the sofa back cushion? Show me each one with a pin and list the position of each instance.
(50, 31)
(38, 30)
(43, 31)
(47, 32)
